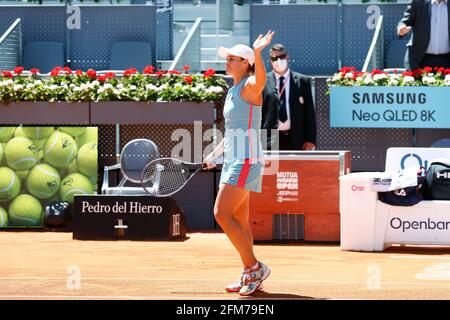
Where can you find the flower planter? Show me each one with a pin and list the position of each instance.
(130, 112)
(42, 112)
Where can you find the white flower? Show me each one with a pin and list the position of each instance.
(379, 76)
(214, 89)
(447, 80)
(178, 85)
(30, 86)
(393, 82)
(368, 80)
(100, 90)
(336, 77)
(151, 87)
(108, 86)
(18, 87)
(359, 78)
(349, 75)
(95, 83)
(133, 87)
(408, 79)
(6, 83)
(116, 92)
(77, 89)
(394, 76)
(37, 82)
(428, 80)
(120, 86)
(54, 87)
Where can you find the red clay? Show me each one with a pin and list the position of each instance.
(40, 265)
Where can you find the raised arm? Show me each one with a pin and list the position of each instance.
(255, 85)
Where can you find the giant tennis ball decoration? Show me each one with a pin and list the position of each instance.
(25, 211)
(60, 150)
(73, 131)
(6, 133)
(43, 181)
(9, 184)
(37, 133)
(19, 132)
(21, 154)
(90, 135)
(3, 218)
(87, 159)
(74, 184)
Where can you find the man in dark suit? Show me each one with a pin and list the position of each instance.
(430, 22)
(288, 106)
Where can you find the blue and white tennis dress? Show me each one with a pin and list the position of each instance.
(243, 154)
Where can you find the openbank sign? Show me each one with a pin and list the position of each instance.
(428, 224)
(389, 107)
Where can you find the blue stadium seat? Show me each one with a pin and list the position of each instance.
(130, 54)
(43, 55)
(442, 143)
(396, 51)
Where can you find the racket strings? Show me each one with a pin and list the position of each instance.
(165, 177)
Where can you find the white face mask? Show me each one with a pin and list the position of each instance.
(280, 65)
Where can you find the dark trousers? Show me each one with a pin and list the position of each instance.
(285, 142)
(435, 60)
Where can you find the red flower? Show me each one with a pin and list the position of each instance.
(67, 70)
(55, 71)
(160, 74)
(408, 74)
(427, 70)
(79, 72)
(345, 70)
(129, 72)
(357, 74)
(209, 73)
(186, 68)
(447, 71)
(18, 70)
(149, 70)
(376, 71)
(188, 80)
(91, 73)
(173, 72)
(417, 73)
(109, 75)
(101, 78)
(34, 70)
(7, 74)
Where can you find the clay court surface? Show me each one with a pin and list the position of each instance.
(40, 265)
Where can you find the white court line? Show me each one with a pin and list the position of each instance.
(419, 257)
(83, 280)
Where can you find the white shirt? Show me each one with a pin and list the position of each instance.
(283, 126)
(439, 39)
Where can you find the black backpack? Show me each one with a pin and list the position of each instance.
(437, 181)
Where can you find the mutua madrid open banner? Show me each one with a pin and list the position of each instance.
(41, 165)
(390, 107)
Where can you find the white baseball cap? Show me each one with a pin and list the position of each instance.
(239, 50)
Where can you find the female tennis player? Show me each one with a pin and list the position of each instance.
(243, 157)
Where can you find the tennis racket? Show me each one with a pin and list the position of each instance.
(164, 177)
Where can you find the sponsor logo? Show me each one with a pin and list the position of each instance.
(357, 188)
(428, 224)
(443, 175)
